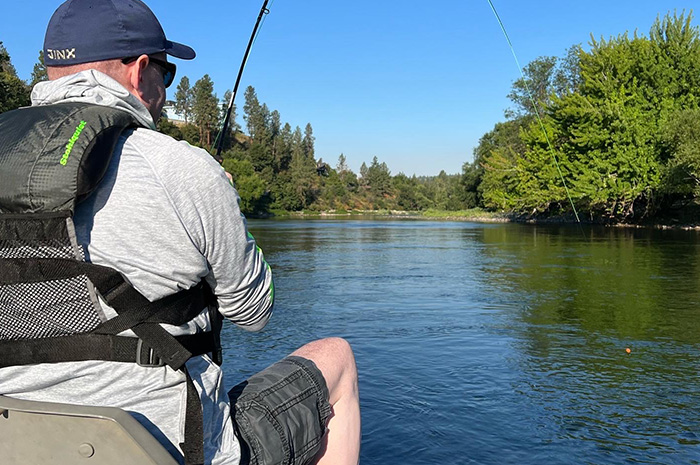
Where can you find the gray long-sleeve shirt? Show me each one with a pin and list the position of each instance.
(166, 217)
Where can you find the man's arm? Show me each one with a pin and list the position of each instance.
(240, 277)
(209, 208)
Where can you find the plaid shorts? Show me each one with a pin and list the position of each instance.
(281, 413)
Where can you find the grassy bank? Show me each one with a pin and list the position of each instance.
(473, 214)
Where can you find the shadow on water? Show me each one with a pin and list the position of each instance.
(496, 344)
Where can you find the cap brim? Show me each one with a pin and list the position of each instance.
(179, 50)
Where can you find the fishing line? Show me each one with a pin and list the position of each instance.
(537, 112)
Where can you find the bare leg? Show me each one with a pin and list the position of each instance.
(334, 357)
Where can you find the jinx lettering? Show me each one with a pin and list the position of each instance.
(65, 54)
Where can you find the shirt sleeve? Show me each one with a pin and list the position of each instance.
(240, 277)
(238, 274)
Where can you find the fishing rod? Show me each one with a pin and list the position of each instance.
(220, 138)
(537, 111)
(215, 317)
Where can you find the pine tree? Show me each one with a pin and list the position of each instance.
(39, 72)
(378, 178)
(183, 99)
(205, 109)
(276, 139)
(284, 152)
(14, 93)
(253, 114)
(5, 62)
(233, 126)
(303, 173)
(308, 142)
(342, 166)
(364, 181)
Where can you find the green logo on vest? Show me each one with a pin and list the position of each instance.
(71, 143)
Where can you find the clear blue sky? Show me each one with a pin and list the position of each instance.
(415, 83)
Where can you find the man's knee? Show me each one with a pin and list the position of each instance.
(334, 358)
(334, 348)
(340, 349)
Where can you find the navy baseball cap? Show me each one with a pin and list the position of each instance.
(84, 31)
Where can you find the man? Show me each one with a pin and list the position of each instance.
(166, 217)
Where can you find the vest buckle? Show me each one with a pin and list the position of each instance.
(146, 356)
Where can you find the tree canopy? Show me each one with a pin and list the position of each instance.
(621, 128)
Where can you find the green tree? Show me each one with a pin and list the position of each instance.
(308, 142)
(168, 127)
(304, 180)
(611, 131)
(342, 165)
(497, 155)
(533, 92)
(233, 127)
(567, 77)
(378, 179)
(607, 128)
(14, 93)
(545, 79)
(255, 115)
(333, 193)
(190, 133)
(348, 180)
(410, 194)
(682, 139)
(276, 140)
(205, 109)
(184, 99)
(250, 187)
(284, 148)
(5, 62)
(470, 194)
(39, 72)
(260, 151)
(364, 180)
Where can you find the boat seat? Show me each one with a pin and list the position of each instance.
(37, 433)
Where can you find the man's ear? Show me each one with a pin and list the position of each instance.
(135, 73)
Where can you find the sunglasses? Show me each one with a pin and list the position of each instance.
(169, 69)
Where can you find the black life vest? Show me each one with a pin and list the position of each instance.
(52, 157)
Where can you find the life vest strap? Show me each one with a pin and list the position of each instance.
(104, 347)
(193, 446)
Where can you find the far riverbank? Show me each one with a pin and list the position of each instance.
(686, 220)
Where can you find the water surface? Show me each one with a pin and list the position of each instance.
(496, 344)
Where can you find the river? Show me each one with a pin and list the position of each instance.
(496, 343)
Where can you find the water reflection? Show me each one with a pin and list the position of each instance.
(583, 302)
